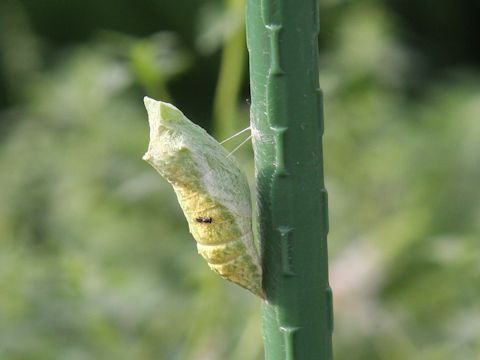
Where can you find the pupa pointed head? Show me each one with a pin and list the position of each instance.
(166, 124)
(160, 112)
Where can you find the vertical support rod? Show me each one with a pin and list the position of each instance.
(287, 123)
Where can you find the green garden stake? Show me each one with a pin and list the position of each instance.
(287, 128)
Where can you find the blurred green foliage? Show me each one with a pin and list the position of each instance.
(96, 261)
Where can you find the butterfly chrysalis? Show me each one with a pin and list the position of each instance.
(212, 191)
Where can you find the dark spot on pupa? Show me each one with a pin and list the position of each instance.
(204, 220)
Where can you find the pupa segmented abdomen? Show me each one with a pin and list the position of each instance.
(220, 240)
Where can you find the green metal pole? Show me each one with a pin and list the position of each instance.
(287, 127)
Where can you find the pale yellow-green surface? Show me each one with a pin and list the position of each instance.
(209, 185)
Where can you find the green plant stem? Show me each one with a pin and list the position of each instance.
(287, 125)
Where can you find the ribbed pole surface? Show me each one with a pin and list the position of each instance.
(287, 124)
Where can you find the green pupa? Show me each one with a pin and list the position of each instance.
(212, 191)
